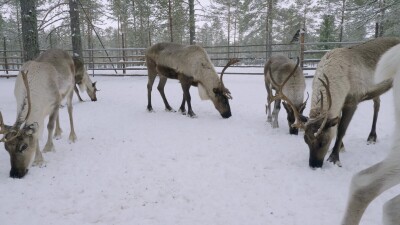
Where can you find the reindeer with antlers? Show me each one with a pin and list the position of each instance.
(191, 65)
(39, 89)
(344, 78)
(287, 79)
(83, 81)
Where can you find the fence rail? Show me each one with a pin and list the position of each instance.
(131, 61)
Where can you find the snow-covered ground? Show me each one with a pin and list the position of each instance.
(134, 167)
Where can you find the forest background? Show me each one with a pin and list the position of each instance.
(140, 23)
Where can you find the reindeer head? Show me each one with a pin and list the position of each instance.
(20, 142)
(83, 79)
(318, 136)
(222, 94)
(318, 131)
(291, 118)
(294, 112)
(92, 90)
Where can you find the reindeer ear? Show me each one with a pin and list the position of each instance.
(94, 84)
(31, 129)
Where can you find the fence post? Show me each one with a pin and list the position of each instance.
(302, 34)
(5, 55)
(123, 54)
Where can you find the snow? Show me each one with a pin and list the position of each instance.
(130, 166)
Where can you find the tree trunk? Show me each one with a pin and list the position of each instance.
(29, 29)
(342, 20)
(134, 21)
(192, 23)
(170, 20)
(229, 30)
(269, 24)
(75, 29)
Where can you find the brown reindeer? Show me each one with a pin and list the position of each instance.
(82, 80)
(191, 65)
(344, 78)
(282, 75)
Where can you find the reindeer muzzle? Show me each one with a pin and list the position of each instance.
(293, 130)
(18, 173)
(226, 114)
(315, 163)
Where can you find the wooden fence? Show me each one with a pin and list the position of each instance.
(131, 61)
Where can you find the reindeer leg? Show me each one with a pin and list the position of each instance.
(49, 147)
(186, 83)
(152, 73)
(347, 114)
(370, 183)
(77, 93)
(160, 88)
(268, 106)
(182, 109)
(275, 113)
(72, 135)
(372, 135)
(391, 209)
(38, 156)
(58, 132)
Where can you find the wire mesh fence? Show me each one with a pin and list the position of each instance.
(131, 61)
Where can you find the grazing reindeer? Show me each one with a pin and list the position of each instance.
(371, 182)
(82, 79)
(345, 77)
(39, 89)
(192, 67)
(280, 69)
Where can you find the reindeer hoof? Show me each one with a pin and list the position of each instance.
(39, 163)
(269, 119)
(182, 111)
(335, 160)
(72, 138)
(150, 109)
(57, 134)
(371, 139)
(192, 115)
(170, 110)
(49, 148)
(275, 124)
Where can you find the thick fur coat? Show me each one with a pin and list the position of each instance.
(371, 182)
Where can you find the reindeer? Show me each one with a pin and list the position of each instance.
(192, 67)
(82, 79)
(280, 69)
(39, 89)
(371, 182)
(345, 77)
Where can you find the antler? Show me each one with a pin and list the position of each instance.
(18, 131)
(28, 93)
(279, 95)
(226, 92)
(2, 126)
(329, 99)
